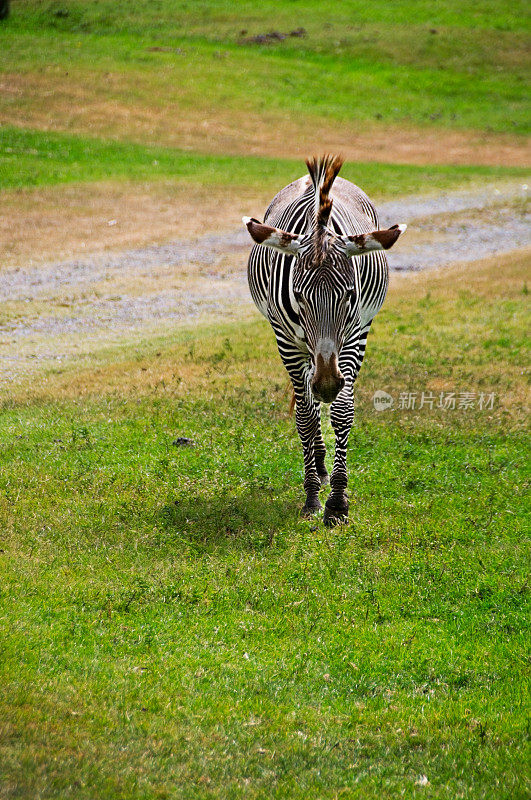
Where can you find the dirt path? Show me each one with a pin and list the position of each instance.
(60, 312)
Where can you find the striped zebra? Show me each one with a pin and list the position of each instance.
(318, 274)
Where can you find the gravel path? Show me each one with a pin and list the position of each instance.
(463, 226)
(63, 311)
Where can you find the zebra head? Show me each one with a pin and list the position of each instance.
(326, 289)
(325, 277)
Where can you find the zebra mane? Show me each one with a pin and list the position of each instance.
(323, 172)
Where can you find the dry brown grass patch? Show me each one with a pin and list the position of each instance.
(56, 102)
(38, 225)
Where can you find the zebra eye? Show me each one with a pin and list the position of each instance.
(298, 296)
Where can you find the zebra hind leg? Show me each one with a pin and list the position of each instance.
(341, 417)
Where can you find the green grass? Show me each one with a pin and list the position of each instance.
(407, 62)
(34, 158)
(172, 628)
(216, 18)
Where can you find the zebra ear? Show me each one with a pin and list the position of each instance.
(376, 240)
(272, 237)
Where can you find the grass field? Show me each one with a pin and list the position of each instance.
(172, 628)
(170, 73)
(468, 72)
(34, 158)
(167, 116)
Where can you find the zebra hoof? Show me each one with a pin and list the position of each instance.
(309, 509)
(335, 515)
(324, 478)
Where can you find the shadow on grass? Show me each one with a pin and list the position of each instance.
(248, 521)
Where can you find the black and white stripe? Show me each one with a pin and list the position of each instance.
(320, 303)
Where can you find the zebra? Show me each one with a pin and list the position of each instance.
(318, 273)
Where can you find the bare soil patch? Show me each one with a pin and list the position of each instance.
(56, 102)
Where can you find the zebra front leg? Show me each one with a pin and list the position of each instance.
(307, 417)
(320, 455)
(341, 417)
(308, 420)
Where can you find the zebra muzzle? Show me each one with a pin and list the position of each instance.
(327, 381)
